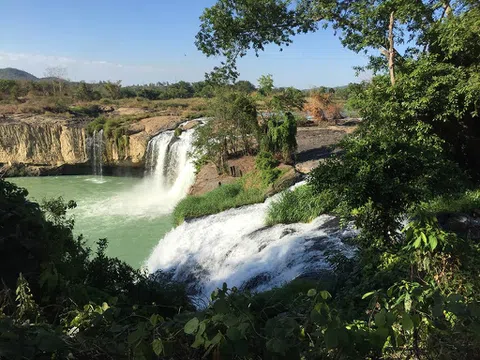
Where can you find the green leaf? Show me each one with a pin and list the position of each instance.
(199, 341)
(424, 238)
(407, 302)
(380, 319)
(417, 242)
(325, 295)
(191, 326)
(202, 328)
(233, 334)
(312, 293)
(217, 339)
(331, 338)
(157, 346)
(368, 294)
(432, 240)
(407, 322)
(155, 319)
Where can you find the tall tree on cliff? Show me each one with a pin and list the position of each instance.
(426, 53)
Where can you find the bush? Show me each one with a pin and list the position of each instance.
(178, 131)
(91, 110)
(265, 161)
(96, 125)
(382, 175)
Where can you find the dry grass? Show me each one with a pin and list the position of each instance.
(139, 108)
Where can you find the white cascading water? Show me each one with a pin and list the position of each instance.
(169, 174)
(97, 152)
(237, 248)
(168, 164)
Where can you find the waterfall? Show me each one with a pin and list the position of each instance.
(168, 176)
(168, 165)
(97, 152)
(237, 248)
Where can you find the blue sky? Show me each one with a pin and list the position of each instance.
(148, 41)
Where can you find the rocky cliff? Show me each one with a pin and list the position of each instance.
(40, 145)
(42, 141)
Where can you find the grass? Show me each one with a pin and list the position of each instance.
(250, 189)
(465, 202)
(223, 198)
(299, 205)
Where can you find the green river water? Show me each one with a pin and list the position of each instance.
(121, 209)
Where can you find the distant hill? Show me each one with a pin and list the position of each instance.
(16, 74)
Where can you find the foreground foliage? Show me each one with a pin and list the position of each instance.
(398, 304)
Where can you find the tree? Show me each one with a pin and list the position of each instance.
(57, 75)
(245, 86)
(113, 89)
(233, 130)
(265, 85)
(85, 92)
(232, 27)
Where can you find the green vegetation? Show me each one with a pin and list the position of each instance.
(302, 204)
(234, 130)
(455, 203)
(252, 188)
(224, 197)
(267, 165)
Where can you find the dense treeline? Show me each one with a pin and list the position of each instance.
(14, 89)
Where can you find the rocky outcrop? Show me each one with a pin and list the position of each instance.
(44, 145)
(40, 141)
(209, 179)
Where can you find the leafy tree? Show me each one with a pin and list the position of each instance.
(244, 86)
(233, 130)
(203, 89)
(113, 89)
(231, 28)
(85, 92)
(289, 99)
(280, 135)
(265, 85)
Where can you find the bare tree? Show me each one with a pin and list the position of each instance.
(57, 75)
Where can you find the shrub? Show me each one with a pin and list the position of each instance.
(91, 110)
(178, 131)
(265, 161)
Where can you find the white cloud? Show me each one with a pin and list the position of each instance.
(88, 70)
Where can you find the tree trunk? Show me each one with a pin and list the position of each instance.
(391, 50)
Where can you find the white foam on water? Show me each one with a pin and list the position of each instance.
(237, 248)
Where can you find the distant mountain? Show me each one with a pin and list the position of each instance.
(16, 74)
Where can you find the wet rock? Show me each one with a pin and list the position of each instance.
(320, 244)
(461, 224)
(255, 282)
(332, 225)
(287, 231)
